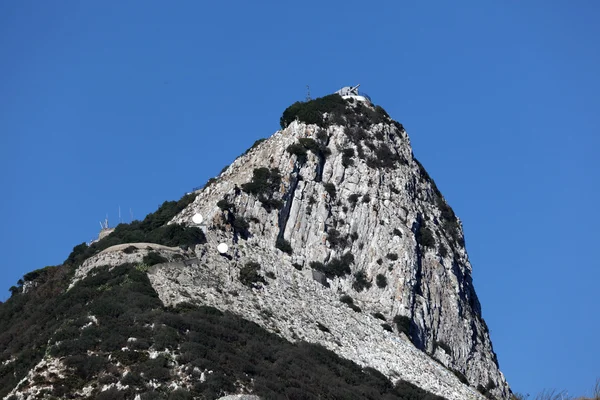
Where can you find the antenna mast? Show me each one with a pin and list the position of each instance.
(308, 93)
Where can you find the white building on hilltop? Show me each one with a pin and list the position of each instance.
(352, 92)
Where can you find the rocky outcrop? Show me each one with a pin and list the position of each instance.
(348, 188)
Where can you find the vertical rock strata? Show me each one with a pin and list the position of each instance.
(359, 210)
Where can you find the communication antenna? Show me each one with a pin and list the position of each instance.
(308, 93)
(354, 90)
(104, 225)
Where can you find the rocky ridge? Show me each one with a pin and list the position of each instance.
(356, 188)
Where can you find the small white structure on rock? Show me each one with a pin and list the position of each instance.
(352, 92)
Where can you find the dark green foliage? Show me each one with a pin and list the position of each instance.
(270, 275)
(152, 229)
(323, 327)
(309, 144)
(385, 158)
(298, 150)
(410, 391)
(330, 189)
(443, 250)
(387, 327)
(249, 275)
(335, 238)
(354, 236)
(366, 198)
(283, 245)
(153, 258)
(350, 302)
(264, 185)
(397, 232)
(449, 221)
(297, 266)
(381, 281)
(425, 237)
(347, 155)
(130, 250)
(311, 112)
(353, 198)
(360, 281)
(240, 226)
(225, 205)
(392, 256)
(264, 182)
(403, 324)
(336, 266)
(379, 315)
(379, 261)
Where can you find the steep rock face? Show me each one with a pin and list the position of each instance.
(370, 198)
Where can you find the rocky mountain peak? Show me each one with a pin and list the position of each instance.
(337, 197)
(338, 243)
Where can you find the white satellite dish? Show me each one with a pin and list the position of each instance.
(222, 248)
(197, 219)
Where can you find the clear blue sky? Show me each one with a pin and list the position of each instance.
(132, 103)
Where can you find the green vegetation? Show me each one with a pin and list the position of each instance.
(347, 155)
(360, 281)
(152, 229)
(449, 221)
(387, 327)
(330, 189)
(379, 315)
(397, 232)
(311, 112)
(392, 256)
(353, 198)
(403, 324)
(264, 185)
(153, 258)
(249, 275)
(366, 198)
(381, 281)
(425, 237)
(264, 182)
(385, 158)
(238, 352)
(350, 302)
(335, 238)
(240, 226)
(225, 205)
(336, 266)
(284, 245)
(298, 150)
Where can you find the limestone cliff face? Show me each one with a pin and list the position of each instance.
(351, 187)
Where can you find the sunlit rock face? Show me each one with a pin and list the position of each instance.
(357, 215)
